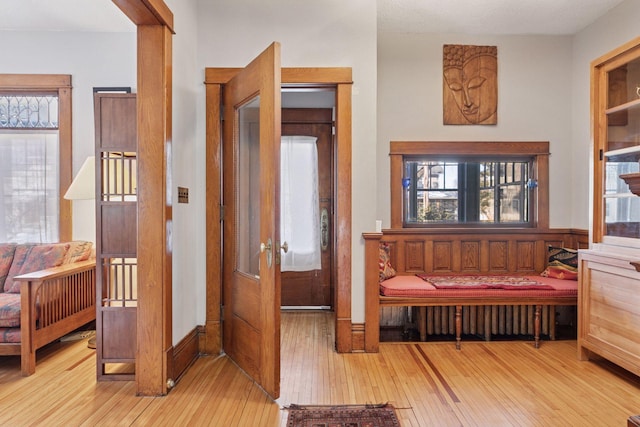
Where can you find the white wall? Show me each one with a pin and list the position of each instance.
(534, 102)
(331, 33)
(615, 28)
(188, 148)
(92, 59)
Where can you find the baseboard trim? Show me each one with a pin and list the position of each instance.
(357, 337)
(186, 352)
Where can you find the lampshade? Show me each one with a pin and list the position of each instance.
(84, 184)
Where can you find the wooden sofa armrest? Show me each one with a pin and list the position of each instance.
(56, 272)
(54, 302)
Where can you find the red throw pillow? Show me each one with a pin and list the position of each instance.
(562, 264)
(384, 262)
(560, 273)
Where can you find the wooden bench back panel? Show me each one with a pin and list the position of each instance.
(518, 252)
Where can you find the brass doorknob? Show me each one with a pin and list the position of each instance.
(285, 247)
(265, 247)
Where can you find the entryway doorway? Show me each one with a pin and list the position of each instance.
(307, 199)
(217, 80)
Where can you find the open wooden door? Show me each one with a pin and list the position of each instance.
(251, 275)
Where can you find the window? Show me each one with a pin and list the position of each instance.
(35, 158)
(480, 191)
(469, 184)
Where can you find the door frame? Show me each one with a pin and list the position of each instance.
(302, 119)
(338, 78)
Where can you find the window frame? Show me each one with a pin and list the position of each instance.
(61, 85)
(467, 201)
(410, 150)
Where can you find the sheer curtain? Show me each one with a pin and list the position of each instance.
(299, 204)
(29, 192)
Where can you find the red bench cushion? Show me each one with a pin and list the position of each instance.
(413, 286)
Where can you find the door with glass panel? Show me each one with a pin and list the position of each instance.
(251, 248)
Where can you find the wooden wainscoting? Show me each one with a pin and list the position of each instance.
(490, 251)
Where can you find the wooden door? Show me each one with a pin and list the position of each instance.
(314, 288)
(251, 276)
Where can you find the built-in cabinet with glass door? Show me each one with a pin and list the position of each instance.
(609, 285)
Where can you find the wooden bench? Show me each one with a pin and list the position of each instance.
(460, 252)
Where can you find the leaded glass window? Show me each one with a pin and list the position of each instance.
(28, 111)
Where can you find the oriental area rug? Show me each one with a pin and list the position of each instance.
(381, 415)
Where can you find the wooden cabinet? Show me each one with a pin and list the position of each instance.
(609, 308)
(609, 288)
(116, 235)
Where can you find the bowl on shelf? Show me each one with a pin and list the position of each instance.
(633, 181)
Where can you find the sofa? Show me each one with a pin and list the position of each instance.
(46, 291)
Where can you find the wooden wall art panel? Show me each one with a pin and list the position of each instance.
(470, 85)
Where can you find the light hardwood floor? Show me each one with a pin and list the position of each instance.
(430, 384)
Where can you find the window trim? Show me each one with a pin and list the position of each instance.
(60, 84)
(540, 171)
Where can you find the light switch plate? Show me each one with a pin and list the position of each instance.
(183, 195)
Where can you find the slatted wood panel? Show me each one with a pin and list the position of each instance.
(62, 298)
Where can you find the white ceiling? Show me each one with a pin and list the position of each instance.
(428, 16)
(490, 16)
(63, 15)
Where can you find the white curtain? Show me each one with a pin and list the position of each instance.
(299, 203)
(29, 195)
